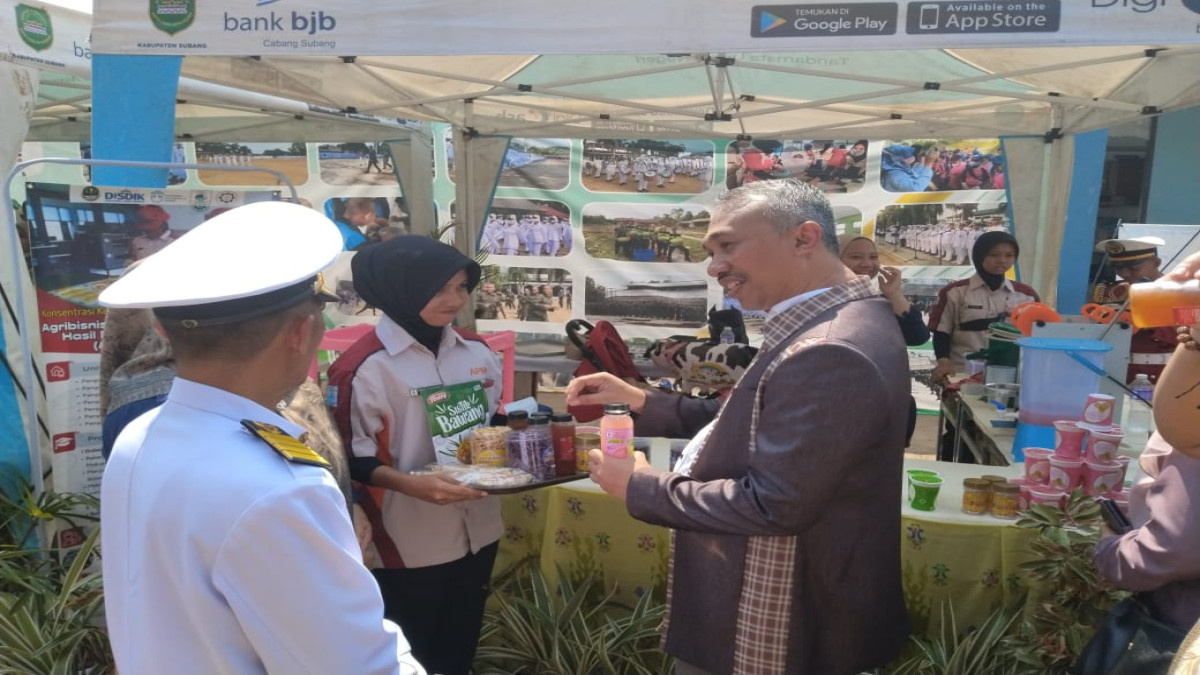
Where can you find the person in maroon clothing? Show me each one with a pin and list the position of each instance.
(1136, 261)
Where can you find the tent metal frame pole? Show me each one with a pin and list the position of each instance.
(1040, 96)
(399, 91)
(15, 258)
(549, 90)
(1010, 74)
(789, 107)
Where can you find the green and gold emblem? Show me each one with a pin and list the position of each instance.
(172, 16)
(34, 26)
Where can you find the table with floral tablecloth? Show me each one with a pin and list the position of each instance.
(972, 561)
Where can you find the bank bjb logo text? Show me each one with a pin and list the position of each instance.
(295, 22)
(34, 26)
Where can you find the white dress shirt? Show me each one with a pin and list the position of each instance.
(220, 556)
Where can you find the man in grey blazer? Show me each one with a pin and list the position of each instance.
(786, 504)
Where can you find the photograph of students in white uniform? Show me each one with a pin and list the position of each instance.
(645, 232)
(643, 166)
(538, 163)
(290, 159)
(527, 227)
(935, 234)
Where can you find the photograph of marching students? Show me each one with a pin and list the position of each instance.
(290, 159)
(539, 163)
(650, 298)
(532, 227)
(356, 164)
(936, 165)
(524, 294)
(645, 232)
(174, 176)
(834, 166)
(363, 220)
(935, 234)
(675, 167)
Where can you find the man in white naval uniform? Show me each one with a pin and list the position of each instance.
(512, 236)
(227, 544)
(565, 233)
(535, 238)
(553, 235)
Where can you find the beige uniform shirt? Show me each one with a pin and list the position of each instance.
(424, 533)
(971, 300)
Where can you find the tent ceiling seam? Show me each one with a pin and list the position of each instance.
(979, 91)
(400, 91)
(512, 88)
(284, 76)
(788, 107)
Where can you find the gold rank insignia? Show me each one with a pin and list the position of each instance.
(291, 449)
(1114, 247)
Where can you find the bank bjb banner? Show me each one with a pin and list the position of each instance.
(362, 27)
(82, 238)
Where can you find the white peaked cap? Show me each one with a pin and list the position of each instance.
(245, 252)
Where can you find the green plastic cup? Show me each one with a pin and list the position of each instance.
(924, 492)
(914, 473)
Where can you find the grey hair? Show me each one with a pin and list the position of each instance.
(785, 204)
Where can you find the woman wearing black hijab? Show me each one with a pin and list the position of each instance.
(964, 310)
(436, 539)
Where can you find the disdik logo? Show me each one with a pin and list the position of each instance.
(33, 24)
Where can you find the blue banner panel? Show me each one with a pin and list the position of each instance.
(133, 116)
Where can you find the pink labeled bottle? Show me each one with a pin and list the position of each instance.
(616, 430)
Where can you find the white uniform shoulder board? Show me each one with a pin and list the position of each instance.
(289, 448)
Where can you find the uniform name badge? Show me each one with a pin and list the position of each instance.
(453, 410)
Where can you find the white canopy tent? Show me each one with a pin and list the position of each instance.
(705, 69)
(1033, 72)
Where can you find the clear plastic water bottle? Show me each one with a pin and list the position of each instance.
(1139, 416)
(727, 337)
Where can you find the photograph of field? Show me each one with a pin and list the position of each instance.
(356, 164)
(289, 159)
(539, 163)
(645, 232)
(651, 299)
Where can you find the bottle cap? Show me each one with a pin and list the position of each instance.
(539, 419)
(518, 415)
(561, 417)
(616, 408)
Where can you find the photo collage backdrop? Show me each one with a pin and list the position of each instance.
(611, 228)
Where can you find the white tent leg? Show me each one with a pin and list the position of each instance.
(412, 158)
(16, 109)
